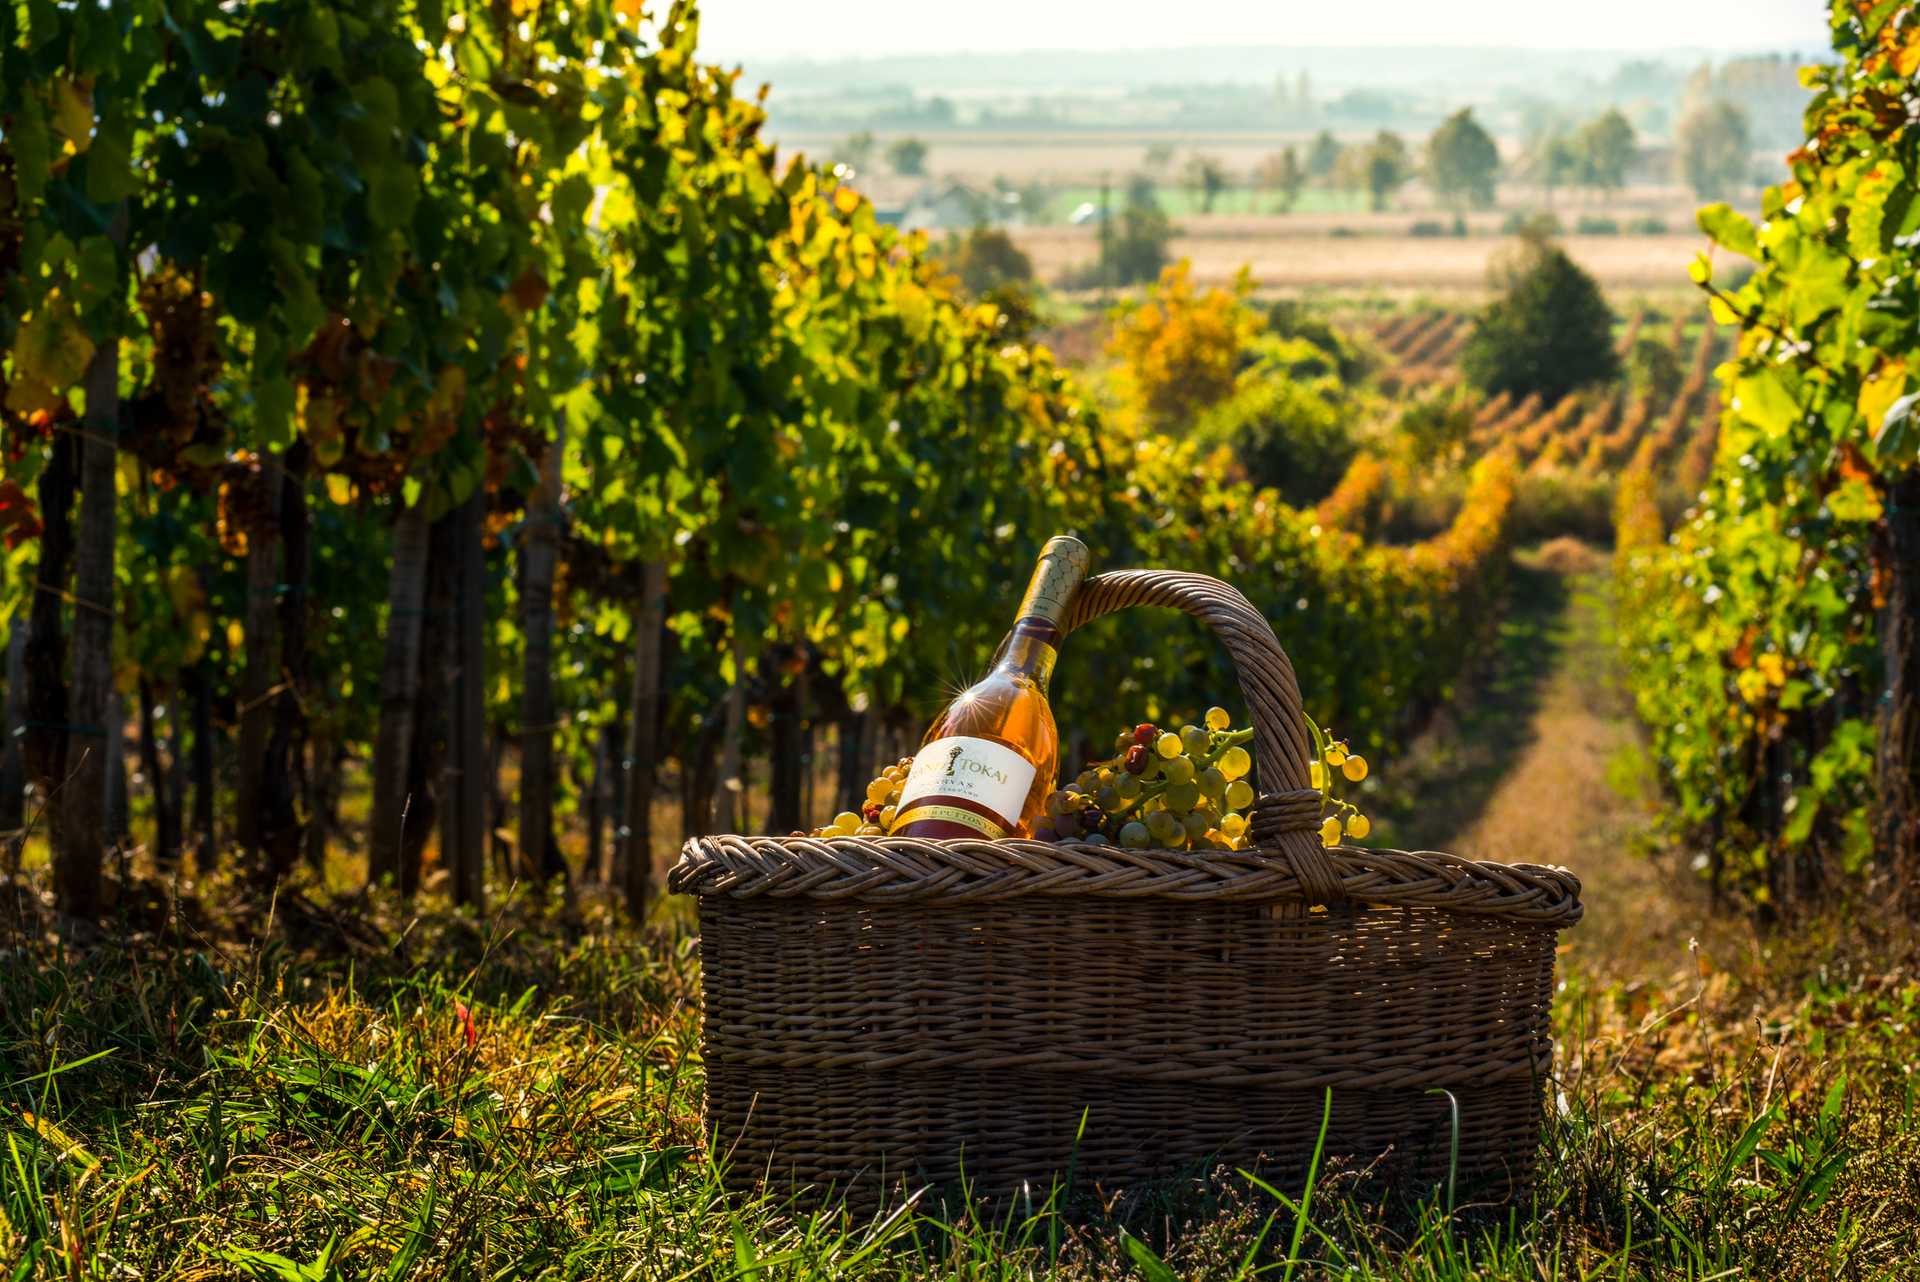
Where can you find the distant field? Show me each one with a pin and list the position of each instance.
(1330, 240)
(1077, 157)
(1077, 161)
(1283, 254)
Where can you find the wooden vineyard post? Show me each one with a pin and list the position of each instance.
(13, 771)
(262, 663)
(463, 820)
(540, 550)
(79, 829)
(643, 729)
(399, 690)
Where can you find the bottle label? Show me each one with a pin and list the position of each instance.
(952, 815)
(960, 768)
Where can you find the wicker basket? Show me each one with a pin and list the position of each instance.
(888, 1012)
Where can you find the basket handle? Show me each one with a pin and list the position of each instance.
(1287, 814)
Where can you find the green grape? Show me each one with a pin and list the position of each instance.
(1122, 742)
(1239, 794)
(1196, 825)
(1182, 796)
(1096, 839)
(1235, 762)
(1218, 718)
(1128, 786)
(1086, 781)
(1213, 783)
(1233, 825)
(1057, 803)
(1194, 740)
(1178, 770)
(1206, 811)
(1104, 775)
(1136, 836)
(1167, 745)
(1108, 798)
(1068, 826)
(1165, 828)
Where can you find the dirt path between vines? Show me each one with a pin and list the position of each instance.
(1544, 764)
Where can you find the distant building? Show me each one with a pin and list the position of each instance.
(954, 206)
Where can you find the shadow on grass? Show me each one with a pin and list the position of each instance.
(1446, 776)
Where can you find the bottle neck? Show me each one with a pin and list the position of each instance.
(1029, 651)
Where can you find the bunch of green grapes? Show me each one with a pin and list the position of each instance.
(1174, 790)
(876, 813)
(1190, 790)
(1333, 756)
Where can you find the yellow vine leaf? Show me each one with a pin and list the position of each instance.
(1878, 393)
(31, 396)
(73, 113)
(51, 348)
(1906, 59)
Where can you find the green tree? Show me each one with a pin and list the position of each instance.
(1606, 146)
(1463, 161)
(908, 157)
(1137, 250)
(1556, 163)
(1283, 174)
(1289, 419)
(1388, 167)
(1548, 332)
(1712, 149)
(1208, 178)
(1323, 156)
(987, 259)
(1653, 370)
(856, 150)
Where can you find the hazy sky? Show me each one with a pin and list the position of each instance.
(764, 29)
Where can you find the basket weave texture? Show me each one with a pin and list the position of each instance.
(892, 1012)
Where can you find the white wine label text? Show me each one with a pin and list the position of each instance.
(986, 773)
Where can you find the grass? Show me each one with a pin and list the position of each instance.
(334, 1091)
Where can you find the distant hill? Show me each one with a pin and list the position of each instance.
(1272, 88)
(1477, 70)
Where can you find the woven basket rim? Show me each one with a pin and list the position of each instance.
(917, 870)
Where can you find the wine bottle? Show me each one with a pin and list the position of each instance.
(989, 761)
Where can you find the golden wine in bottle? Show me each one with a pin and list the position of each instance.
(989, 761)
